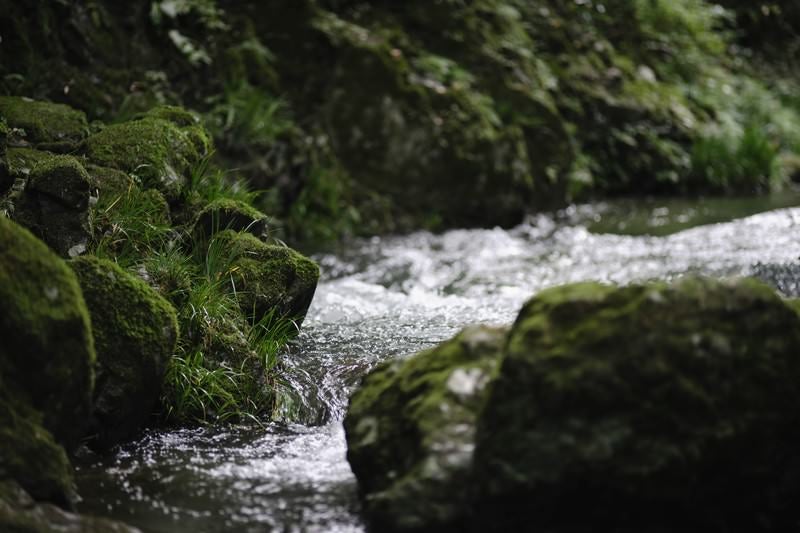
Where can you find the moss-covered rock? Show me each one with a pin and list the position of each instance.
(47, 126)
(28, 452)
(55, 204)
(229, 214)
(654, 406)
(411, 431)
(110, 182)
(269, 278)
(19, 513)
(47, 350)
(135, 332)
(157, 151)
(651, 407)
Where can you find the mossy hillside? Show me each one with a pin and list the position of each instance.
(47, 349)
(45, 125)
(650, 404)
(28, 452)
(435, 143)
(410, 431)
(156, 151)
(269, 278)
(135, 334)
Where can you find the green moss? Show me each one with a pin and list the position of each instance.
(22, 160)
(156, 151)
(224, 213)
(47, 349)
(189, 124)
(110, 182)
(135, 333)
(62, 177)
(28, 452)
(268, 278)
(640, 399)
(410, 431)
(177, 115)
(49, 126)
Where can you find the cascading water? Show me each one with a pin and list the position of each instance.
(379, 299)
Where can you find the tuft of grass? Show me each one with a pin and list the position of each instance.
(201, 388)
(208, 184)
(130, 226)
(196, 391)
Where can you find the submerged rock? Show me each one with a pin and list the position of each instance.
(21, 514)
(28, 452)
(44, 125)
(47, 351)
(54, 204)
(411, 431)
(268, 278)
(135, 332)
(649, 408)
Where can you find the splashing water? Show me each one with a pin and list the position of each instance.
(380, 299)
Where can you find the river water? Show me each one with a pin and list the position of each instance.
(390, 297)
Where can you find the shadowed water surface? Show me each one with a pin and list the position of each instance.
(385, 298)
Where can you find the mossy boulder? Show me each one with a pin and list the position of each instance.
(55, 204)
(159, 152)
(110, 182)
(47, 126)
(28, 452)
(22, 160)
(135, 332)
(229, 214)
(411, 431)
(47, 351)
(269, 278)
(19, 513)
(654, 406)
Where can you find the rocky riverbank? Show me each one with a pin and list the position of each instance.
(137, 288)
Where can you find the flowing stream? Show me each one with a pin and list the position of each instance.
(389, 297)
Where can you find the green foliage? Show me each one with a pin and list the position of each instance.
(324, 211)
(201, 388)
(208, 183)
(245, 117)
(195, 392)
(130, 226)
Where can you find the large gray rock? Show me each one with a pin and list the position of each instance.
(411, 431)
(650, 407)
